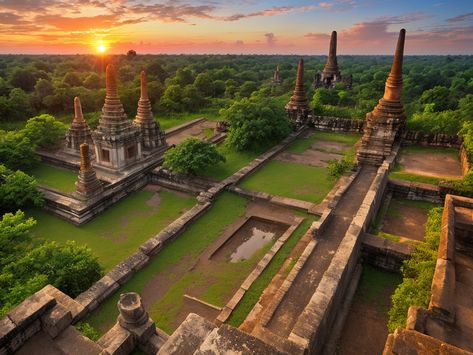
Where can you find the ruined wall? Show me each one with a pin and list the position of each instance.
(384, 253)
(431, 139)
(337, 124)
(317, 320)
(416, 191)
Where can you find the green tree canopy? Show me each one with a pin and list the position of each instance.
(255, 123)
(17, 190)
(192, 155)
(17, 151)
(44, 130)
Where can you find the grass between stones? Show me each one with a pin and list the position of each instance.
(256, 289)
(235, 160)
(293, 180)
(118, 231)
(190, 244)
(373, 285)
(55, 177)
(300, 145)
(398, 173)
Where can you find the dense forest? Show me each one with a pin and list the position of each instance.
(436, 88)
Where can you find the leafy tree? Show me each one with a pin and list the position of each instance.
(192, 98)
(44, 130)
(155, 69)
(23, 79)
(14, 236)
(439, 96)
(92, 81)
(172, 98)
(17, 151)
(192, 155)
(247, 88)
(72, 79)
(18, 190)
(204, 84)
(131, 54)
(255, 123)
(20, 105)
(43, 88)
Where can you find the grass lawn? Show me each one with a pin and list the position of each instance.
(177, 119)
(298, 181)
(398, 173)
(235, 160)
(300, 145)
(117, 232)
(256, 289)
(55, 177)
(190, 244)
(373, 285)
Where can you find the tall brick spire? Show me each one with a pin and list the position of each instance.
(298, 108)
(387, 120)
(79, 132)
(393, 88)
(152, 138)
(87, 185)
(331, 67)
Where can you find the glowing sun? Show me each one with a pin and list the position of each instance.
(101, 48)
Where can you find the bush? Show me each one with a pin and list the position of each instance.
(192, 155)
(255, 123)
(18, 190)
(44, 130)
(417, 272)
(337, 168)
(87, 330)
(17, 151)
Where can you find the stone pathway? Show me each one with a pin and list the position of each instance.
(304, 286)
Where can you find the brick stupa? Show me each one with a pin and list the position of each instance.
(152, 137)
(79, 132)
(117, 140)
(387, 120)
(298, 108)
(276, 80)
(87, 185)
(331, 73)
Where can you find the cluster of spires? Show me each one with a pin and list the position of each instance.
(383, 124)
(114, 132)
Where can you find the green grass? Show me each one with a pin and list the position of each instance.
(396, 206)
(293, 180)
(398, 174)
(256, 289)
(392, 237)
(190, 244)
(300, 145)
(373, 285)
(117, 232)
(209, 132)
(55, 177)
(235, 160)
(176, 119)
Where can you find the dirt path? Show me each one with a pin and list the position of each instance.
(366, 319)
(196, 130)
(309, 277)
(436, 165)
(409, 223)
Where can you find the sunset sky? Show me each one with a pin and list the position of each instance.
(240, 26)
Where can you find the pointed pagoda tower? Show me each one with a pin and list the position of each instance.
(152, 138)
(87, 185)
(387, 120)
(117, 140)
(298, 108)
(276, 80)
(79, 132)
(331, 73)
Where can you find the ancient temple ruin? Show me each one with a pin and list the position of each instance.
(117, 140)
(298, 108)
(385, 123)
(79, 132)
(276, 80)
(152, 137)
(87, 185)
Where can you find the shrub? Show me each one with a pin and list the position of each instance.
(417, 272)
(192, 155)
(44, 130)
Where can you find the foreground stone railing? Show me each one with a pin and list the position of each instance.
(312, 328)
(431, 139)
(337, 124)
